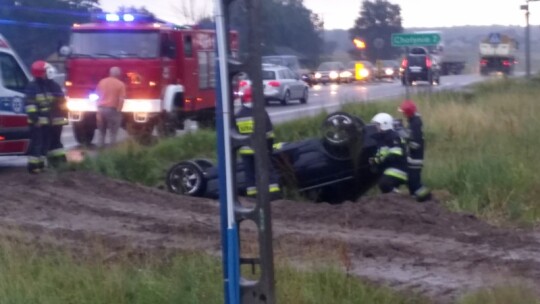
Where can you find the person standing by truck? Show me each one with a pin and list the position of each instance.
(47, 113)
(111, 92)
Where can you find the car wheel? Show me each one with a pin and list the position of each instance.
(305, 96)
(286, 98)
(341, 129)
(186, 178)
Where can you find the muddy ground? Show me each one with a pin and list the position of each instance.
(387, 239)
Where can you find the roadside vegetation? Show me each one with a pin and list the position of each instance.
(481, 154)
(481, 148)
(50, 276)
(28, 276)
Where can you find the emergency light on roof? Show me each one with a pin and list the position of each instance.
(124, 17)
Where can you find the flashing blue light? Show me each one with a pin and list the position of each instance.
(93, 97)
(128, 17)
(112, 17)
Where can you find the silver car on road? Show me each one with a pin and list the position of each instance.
(282, 84)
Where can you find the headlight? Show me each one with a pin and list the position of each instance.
(333, 75)
(75, 105)
(93, 97)
(345, 74)
(318, 75)
(364, 73)
(389, 71)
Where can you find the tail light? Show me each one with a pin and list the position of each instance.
(483, 62)
(428, 62)
(274, 84)
(404, 62)
(506, 62)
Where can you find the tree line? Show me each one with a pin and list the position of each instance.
(36, 28)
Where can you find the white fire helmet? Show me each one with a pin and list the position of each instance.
(385, 121)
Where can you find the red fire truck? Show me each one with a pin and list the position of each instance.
(169, 72)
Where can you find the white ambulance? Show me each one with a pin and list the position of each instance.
(14, 129)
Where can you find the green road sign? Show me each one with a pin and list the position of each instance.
(411, 39)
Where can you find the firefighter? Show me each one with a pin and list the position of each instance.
(390, 158)
(245, 125)
(47, 113)
(415, 146)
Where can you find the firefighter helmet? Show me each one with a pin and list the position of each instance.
(384, 120)
(42, 69)
(407, 107)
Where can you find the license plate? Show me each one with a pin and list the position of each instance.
(416, 69)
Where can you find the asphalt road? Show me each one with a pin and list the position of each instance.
(322, 97)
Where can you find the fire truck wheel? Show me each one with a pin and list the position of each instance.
(141, 132)
(84, 134)
(166, 128)
(207, 121)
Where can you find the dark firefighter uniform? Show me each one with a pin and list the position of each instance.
(245, 125)
(45, 106)
(415, 159)
(391, 160)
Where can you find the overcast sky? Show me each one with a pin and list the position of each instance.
(340, 14)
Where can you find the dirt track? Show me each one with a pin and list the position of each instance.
(390, 239)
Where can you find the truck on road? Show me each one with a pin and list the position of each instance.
(497, 54)
(449, 60)
(169, 72)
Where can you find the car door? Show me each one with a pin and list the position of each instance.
(295, 84)
(14, 130)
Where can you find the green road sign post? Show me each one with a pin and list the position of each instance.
(412, 39)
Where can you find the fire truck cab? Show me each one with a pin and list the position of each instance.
(14, 129)
(169, 72)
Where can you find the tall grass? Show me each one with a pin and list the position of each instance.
(55, 277)
(483, 149)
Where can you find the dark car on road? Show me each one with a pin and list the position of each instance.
(332, 71)
(386, 69)
(419, 65)
(333, 168)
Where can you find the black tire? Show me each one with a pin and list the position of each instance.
(141, 132)
(341, 129)
(286, 98)
(204, 163)
(166, 127)
(83, 132)
(208, 122)
(186, 178)
(305, 96)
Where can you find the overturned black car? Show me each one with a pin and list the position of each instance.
(333, 168)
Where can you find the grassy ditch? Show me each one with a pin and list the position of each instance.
(481, 148)
(58, 277)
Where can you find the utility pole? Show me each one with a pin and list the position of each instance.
(238, 289)
(527, 39)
